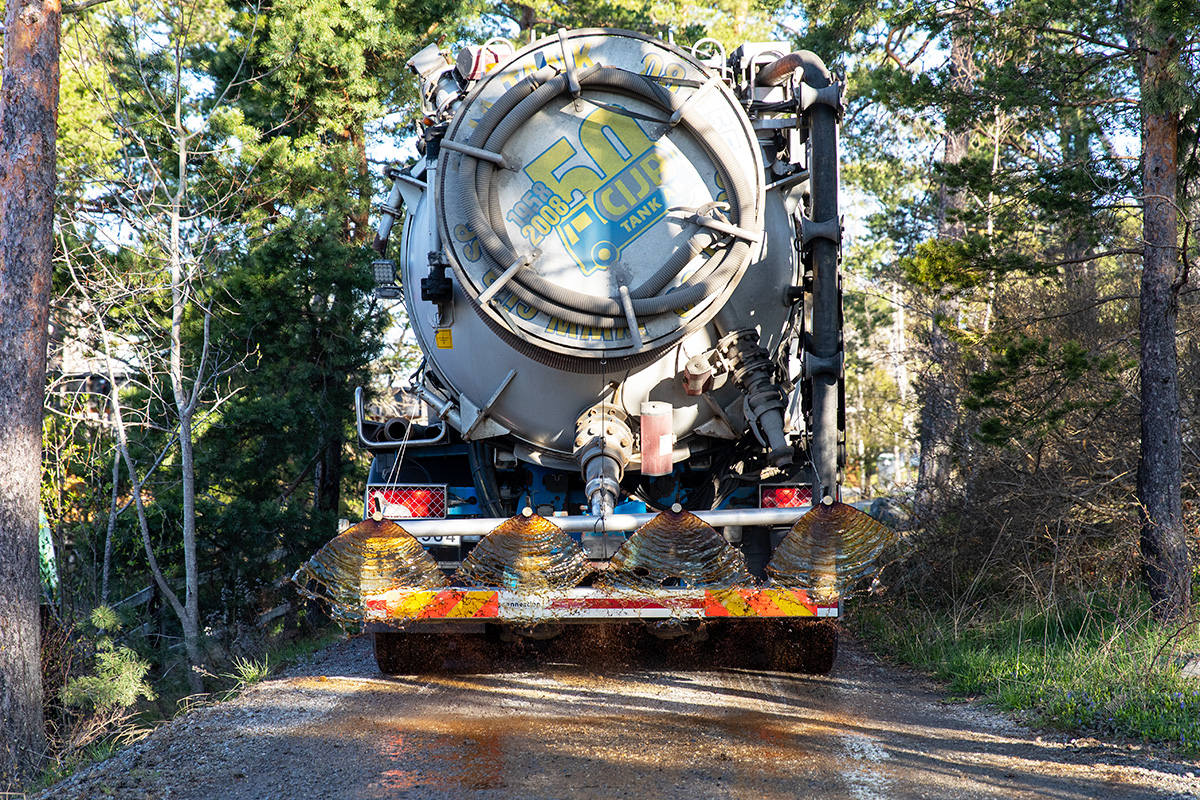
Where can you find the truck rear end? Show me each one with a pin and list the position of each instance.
(620, 261)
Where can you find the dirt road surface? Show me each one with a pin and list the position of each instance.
(335, 728)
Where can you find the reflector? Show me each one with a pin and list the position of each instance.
(407, 502)
(784, 496)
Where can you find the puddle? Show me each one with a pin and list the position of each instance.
(447, 761)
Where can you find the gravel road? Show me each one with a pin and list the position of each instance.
(333, 727)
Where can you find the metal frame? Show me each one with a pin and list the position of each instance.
(482, 526)
(367, 444)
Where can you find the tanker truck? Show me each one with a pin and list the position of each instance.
(619, 258)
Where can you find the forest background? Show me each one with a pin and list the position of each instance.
(213, 309)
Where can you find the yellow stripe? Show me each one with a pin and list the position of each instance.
(787, 602)
(409, 604)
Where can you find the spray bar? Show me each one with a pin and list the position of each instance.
(482, 526)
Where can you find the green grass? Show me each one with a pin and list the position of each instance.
(245, 672)
(297, 648)
(249, 671)
(1081, 666)
(63, 768)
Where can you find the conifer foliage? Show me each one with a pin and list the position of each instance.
(1043, 242)
(212, 296)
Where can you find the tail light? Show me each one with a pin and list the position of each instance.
(407, 502)
(784, 496)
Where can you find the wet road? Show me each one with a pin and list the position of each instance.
(729, 734)
(866, 731)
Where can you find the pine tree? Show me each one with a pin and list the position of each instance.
(28, 112)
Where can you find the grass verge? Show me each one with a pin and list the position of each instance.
(1084, 665)
(130, 725)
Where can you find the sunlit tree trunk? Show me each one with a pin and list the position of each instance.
(185, 400)
(28, 122)
(106, 567)
(936, 387)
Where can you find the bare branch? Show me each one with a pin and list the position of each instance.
(1099, 42)
(887, 48)
(1120, 251)
(75, 8)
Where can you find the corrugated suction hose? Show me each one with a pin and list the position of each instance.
(477, 184)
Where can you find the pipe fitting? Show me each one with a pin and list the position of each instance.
(808, 63)
(697, 375)
(603, 446)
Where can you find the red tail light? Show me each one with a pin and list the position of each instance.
(784, 496)
(407, 502)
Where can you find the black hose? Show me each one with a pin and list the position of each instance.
(483, 475)
(808, 63)
(477, 188)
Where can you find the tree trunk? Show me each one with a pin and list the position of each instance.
(939, 415)
(28, 122)
(328, 476)
(937, 387)
(359, 221)
(112, 523)
(185, 406)
(1163, 539)
(185, 401)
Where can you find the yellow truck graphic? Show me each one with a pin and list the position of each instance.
(597, 211)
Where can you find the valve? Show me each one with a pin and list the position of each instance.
(697, 375)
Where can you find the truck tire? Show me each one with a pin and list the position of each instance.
(805, 647)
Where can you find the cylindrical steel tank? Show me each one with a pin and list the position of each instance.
(613, 186)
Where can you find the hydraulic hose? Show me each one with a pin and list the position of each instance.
(483, 475)
(477, 190)
(810, 65)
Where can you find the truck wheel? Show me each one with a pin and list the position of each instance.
(806, 647)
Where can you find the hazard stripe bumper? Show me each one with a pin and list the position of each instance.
(399, 605)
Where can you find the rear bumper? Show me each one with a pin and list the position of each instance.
(584, 605)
